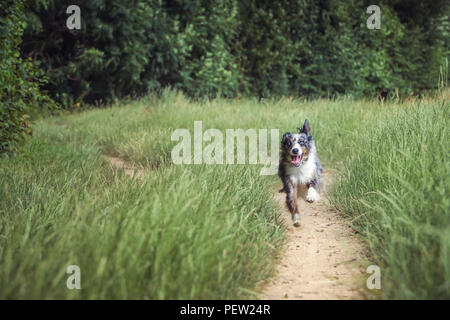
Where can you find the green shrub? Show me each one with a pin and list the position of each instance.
(19, 79)
(228, 48)
(126, 48)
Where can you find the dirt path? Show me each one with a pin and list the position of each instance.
(322, 260)
(129, 169)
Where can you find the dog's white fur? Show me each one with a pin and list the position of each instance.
(296, 219)
(312, 195)
(304, 174)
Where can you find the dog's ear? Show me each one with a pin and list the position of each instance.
(285, 137)
(306, 128)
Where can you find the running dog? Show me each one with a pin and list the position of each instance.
(300, 169)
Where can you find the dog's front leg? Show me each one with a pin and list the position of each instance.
(292, 202)
(313, 193)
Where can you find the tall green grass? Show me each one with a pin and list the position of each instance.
(191, 232)
(178, 233)
(394, 188)
(200, 231)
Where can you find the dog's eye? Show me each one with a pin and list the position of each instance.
(289, 143)
(302, 143)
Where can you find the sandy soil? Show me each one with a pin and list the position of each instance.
(126, 166)
(323, 259)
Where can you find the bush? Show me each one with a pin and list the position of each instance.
(323, 48)
(229, 48)
(126, 48)
(19, 79)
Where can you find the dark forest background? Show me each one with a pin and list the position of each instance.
(255, 47)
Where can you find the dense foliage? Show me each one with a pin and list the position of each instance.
(19, 79)
(253, 47)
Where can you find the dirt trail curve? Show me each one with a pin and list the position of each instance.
(129, 169)
(322, 259)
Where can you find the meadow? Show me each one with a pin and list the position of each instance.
(214, 231)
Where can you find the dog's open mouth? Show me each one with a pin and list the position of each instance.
(296, 160)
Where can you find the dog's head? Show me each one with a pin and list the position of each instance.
(295, 147)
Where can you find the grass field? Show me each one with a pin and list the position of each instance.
(212, 231)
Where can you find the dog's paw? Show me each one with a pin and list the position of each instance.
(281, 190)
(312, 195)
(296, 220)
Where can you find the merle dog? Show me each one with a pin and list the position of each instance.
(299, 169)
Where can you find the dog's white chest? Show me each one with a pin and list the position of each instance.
(304, 173)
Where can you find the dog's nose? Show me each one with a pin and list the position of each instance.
(295, 151)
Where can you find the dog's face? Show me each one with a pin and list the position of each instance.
(296, 146)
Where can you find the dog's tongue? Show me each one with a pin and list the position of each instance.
(296, 159)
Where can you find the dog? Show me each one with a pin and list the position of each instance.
(299, 169)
